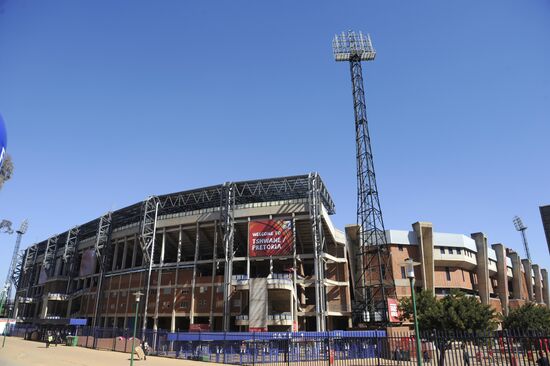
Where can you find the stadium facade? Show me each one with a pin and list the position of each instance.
(256, 255)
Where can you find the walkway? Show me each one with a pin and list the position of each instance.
(18, 352)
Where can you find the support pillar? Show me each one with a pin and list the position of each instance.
(482, 268)
(538, 284)
(194, 280)
(159, 282)
(502, 277)
(528, 278)
(44, 307)
(424, 234)
(516, 275)
(545, 295)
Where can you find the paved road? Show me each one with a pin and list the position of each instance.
(19, 352)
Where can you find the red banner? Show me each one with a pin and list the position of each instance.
(393, 310)
(199, 327)
(268, 238)
(258, 329)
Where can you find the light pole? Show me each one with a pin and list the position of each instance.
(137, 295)
(409, 269)
(10, 307)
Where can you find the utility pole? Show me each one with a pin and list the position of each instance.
(373, 275)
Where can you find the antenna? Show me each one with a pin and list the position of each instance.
(373, 282)
(518, 223)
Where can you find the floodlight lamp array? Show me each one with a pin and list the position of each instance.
(353, 46)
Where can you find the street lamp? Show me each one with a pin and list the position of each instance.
(10, 308)
(137, 295)
(409, 270)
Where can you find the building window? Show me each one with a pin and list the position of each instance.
(202, 289)
(202, 302)
(403, 274)
(458, 251)
(442, 250)
(184, 305)
(448, 273)
(400, 247)
(185, 291)
(450, 250)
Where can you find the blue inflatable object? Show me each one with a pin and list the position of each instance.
(3, 140)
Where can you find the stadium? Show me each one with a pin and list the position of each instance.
(260, 244)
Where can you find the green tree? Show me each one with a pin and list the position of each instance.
(455, 312)
(6, 170)
(528, 318)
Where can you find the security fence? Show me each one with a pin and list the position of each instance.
(338, 348)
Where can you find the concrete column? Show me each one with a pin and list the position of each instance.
(115, 256)
(502, 276)
(134, 251)
(538, 283)
(424, 234)
(528, 278)
(124, 252)
(44, 307)
(482, 268)
(545, 296)
(176, 288)
(159, 280)
(214, 259)
(194, 280)
(516, 273)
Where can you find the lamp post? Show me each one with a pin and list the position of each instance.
(137, 295)
(409, 269)
(10, 307)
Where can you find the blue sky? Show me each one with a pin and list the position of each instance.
(97, 94)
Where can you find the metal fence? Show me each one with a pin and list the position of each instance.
(338, 348)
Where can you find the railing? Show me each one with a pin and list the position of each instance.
(339, 348)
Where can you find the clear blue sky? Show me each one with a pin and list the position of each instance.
(96, 94)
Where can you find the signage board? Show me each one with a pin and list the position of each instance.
(199, 327)
(269, 238)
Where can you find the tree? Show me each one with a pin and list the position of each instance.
(456, 312)
(528, 318)
(6, 171)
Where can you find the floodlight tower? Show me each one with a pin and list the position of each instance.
(372, 271)
(518, 223)
(6, 290)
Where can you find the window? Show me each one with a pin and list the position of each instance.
(442, 250)
(184, 305)
(185, 291)
(400, 247)
(450, 250)
(202, 289)
(448, 273)
(202, 302)
(458, 251)
(166, 291)
(403, 274)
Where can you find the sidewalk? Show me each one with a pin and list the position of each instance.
(19, 352)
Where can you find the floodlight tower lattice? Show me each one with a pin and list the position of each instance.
(518, 223)
(373, 276)
(12, 277)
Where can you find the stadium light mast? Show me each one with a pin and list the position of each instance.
(6, 290)
(518, 223)
(373, 276)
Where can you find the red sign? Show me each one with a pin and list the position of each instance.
(199, 327)
(268, 238)
(393, 311)
(258, 329)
